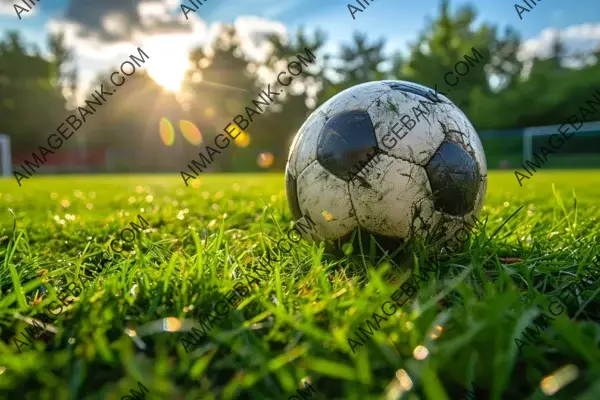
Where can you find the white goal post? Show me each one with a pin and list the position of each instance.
(548, 130)
(5, 155)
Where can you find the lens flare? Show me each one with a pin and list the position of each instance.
(190, 132)
(166, 131)
(243, 139)
(209, 112)
(265, 160)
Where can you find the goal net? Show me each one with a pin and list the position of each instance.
(580, 150)
(5, 160)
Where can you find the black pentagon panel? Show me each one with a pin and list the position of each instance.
(454, 178)
(347, 144)
(413, 88)
(291, 190)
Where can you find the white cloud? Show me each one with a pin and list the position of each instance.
(576, 38)
(97, 54)
(88, 46)
(152, 9)
(156, 13)
(115, 23)
(253, 32)
(7, 7)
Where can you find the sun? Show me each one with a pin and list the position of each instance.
(168, 72)
(169, 60)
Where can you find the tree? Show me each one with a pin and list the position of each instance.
(31, 102)
(218, 86)
(531, 101)
(360, 61)
(442, 45)
(64, 71)
(275, 131)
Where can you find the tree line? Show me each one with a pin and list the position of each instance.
(503, 92)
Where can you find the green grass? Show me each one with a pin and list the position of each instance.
(297, 324)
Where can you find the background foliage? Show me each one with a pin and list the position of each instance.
(505, 93)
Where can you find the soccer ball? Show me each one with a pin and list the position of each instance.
(393, 158)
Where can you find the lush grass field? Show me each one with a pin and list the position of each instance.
(297, 324)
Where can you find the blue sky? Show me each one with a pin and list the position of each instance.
(389, 18)
(398, 21)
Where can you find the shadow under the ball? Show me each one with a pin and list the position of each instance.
(361, 243)
(432, 249)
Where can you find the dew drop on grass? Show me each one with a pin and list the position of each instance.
(560, 378)
(171, 324)
(420, 352)
(404, 379)
(436, 332)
